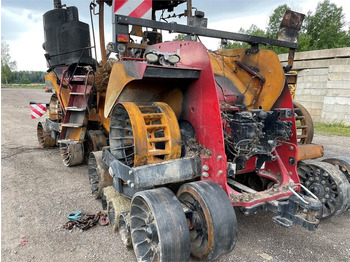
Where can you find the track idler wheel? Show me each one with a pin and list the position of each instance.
(55, 108)
(304, 124)
(44, 136)
(343, 164)
(328, 184)
(143, 134)
(95, 141)
(124, 228)
(159, 229)
(98, 174)
(213, 223)
(72, 154)
(114, 204)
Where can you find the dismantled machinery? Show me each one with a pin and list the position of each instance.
(177, 135)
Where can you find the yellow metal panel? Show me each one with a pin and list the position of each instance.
(264, 62)
(117, 80)
(64, 95)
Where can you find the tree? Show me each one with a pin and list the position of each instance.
(253, 30)
(325, 27)
(7, 66)
(275, 20)
(179, 37)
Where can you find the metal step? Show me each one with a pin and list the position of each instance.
(68, 141)
(76, 94)
(74, 108)
(72, 125)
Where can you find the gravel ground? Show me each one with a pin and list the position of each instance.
(38, 192)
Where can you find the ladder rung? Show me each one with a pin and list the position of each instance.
(74, 108)
(76, 94)
(122, 137)
(72, 125)
(68, 141)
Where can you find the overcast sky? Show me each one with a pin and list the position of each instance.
(22, 27)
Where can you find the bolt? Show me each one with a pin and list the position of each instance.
(291, 148)
(130, 172)
(327, 189)
(326, 196)
(205, 174)
(317, 178)
(305, 210)
(220, 172)
(205, 167)
(311, 179)
(323, 182)
(290, 173)
(132, 185)
(128, 182)
(307, 183)
(323, 200)
(219, 157)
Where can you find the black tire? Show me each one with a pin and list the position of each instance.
(215, 230)
(158, 226)
(328, 184)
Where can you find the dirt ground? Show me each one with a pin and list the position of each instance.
(37, 193)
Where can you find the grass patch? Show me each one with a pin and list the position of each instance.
(332, 129)
(25, 86)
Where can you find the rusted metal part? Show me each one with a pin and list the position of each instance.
(95, 141)
(158, 226)
(55, 109)
(304, 124)
(309, 151)
(212, 220)
(102, 33)
(98, 174)
(44, 136)
(87, 221)
(265, 63)
(144, 133)
(290, 26)
(72, 154)
(328, 183)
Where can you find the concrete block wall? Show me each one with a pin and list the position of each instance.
(323, 83)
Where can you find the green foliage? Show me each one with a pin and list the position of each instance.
(28, 77)
(321, 30)
(24, 80)
(325, 27)
(7, 66)
(179, 37)
(253, 30)
(275, 21)
(332, 129)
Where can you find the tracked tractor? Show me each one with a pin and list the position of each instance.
(179, 138)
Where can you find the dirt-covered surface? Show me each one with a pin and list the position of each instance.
(37, 193)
